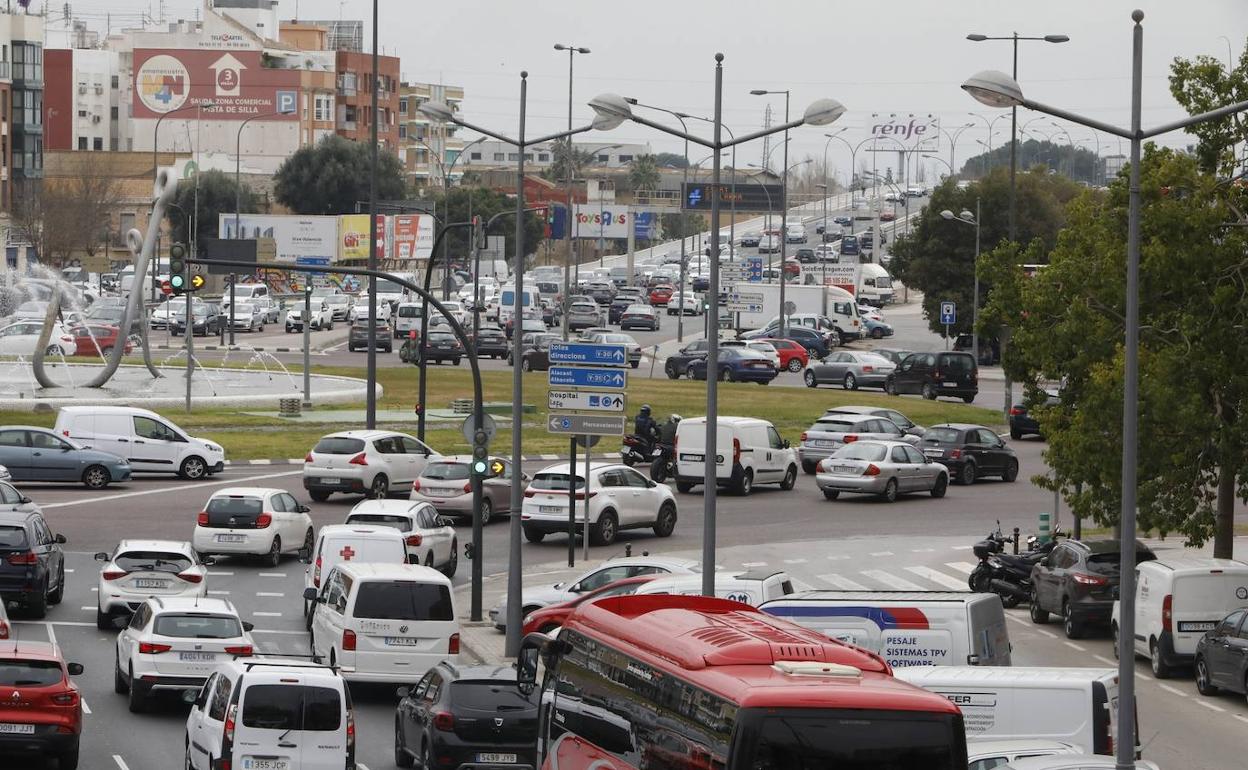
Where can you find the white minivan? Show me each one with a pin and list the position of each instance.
(1177, 600)
(907, 628)
(749, 451)
(384, 622)
(150, 442)
(752, 588)
(530, 300)
(337, 543)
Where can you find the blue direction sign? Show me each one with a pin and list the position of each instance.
(948, 313)
(587, 353)
(754, 269)
(586, 377)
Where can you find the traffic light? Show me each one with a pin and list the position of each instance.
(480, 454)
(179, 281)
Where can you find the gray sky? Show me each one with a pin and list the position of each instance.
(901, 56)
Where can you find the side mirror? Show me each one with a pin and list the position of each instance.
(24, 500)
(304, 509)
(526, 666)
(101, 556)
(403, 692)
(60, 539)
(74, 669)
(190, 696)
(785, 443)
(248, 626)
(309, 594)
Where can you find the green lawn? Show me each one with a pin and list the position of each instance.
(792, 410)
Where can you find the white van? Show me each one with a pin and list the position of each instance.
(1073, 705)
(384, 622)
(749, 451)
(246, 291)
(150, 442)
(874, 284)
(752, 588)
(350, 542)
(907, 628)
(530, 299)
(1176, 601)
(407, 318)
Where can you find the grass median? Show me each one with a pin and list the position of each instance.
(248, 436)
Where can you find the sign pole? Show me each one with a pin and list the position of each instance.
(307, 344)
(585, 529)
(572, 501)
(946, 336)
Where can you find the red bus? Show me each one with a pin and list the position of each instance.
(663, 682)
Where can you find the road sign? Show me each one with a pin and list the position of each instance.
(948, 313)
(756, 269)
(585, 401)
(745, 296)
(743, 307)
(586, 424)
(487, 424)
(586, 377)
(588, 353)
(318, 261)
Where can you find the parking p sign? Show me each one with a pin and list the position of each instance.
(948, 313)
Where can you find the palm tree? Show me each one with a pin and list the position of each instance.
(643, 173)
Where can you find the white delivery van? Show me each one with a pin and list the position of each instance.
(1073, 705)
(749, 451)
(907, 628)
(350, 542)
(246, 291)
(1176, 601)
(875, 285)
(384, 622)
(530, 299)
(752, 588)
(150, 442)
(407, 318)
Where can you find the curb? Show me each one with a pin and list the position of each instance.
(299, 460)
(238, 348)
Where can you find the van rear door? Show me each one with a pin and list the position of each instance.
(1199, 601)
(989, 636)
(290, 726)
(403, 627)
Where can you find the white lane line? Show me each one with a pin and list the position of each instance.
(1075, 646)
(922, 550)
(121, 763)
(218, 593)
(266, 593)
(938, 577)
(1173, 690)
(83, 624)
(843, 583)
(282, 632)
(220, 574)
(794, 561)
(1145, 677)
(882, 553)
(753, 564)
(1017, 619)
(85, 708)
(88, 609)
(68, 571)
(1046, 632)
(1105, 660)
(961, 566)
(95, 588)
(837, 558)
(164, 490)
(1241, 718)
(272, 574)
(51, 634)
(267, 614)
(892, 581)
(1210, 706)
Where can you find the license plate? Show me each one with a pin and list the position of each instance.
(401, 641)
(823, 444)
(149, 583)
(844, 469)
(551, 509)
(693, 458)
(231, 538)
(502, 759)
(252, 763)
(197, 656)
(1197, 625)
(949, 384)
(442, 492)
(330, 481)
(12, 729)
(933, 452)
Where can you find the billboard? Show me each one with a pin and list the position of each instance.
(611, 221)
(234, 83)
(353, 237)
(411, 235)
(897, 131)
(296, 237)
(749, 196)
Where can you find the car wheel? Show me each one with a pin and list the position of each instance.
(968, 399)
(690, 372)
(795, 365)
(1011, 470)
(318, 495)
(1161, 669)
(53, 350)
(877, 333)
(401, 757)
(851, 382)
(193, 468)
(56, 595)
(1016, 434)
(103, 620)
(941, 486)
(452, 564)
(666, 523)
(890, 491)
(831, 494)
(120, 685)
(684, 487)
(380, 488)
(1039, 615)
(305, 550)
(809, 377)
(1071, 627)
(670, 370)
(790, 478)
(68, 759)
(106, 351)
(1203, 684)
(746, 483)
(890, 387)
(487, 511)
(525, 366)
(274, 555)
(534, 535)
(929, 392)
(966, 474)
(96, 477)
(727, 376)
(137, 702)
(454, 361)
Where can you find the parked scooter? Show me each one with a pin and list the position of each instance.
(1007, 575)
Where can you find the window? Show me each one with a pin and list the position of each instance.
(9, 495)
(1229, 623)
(82, 113)
(282, 707)
(513, 156)
(914, 456)
(634, 479)
(153, 429)
(82, 142)
(626, 159)
(402, 131)
(499, 156)
(39, 440)
(97, 143)
(542, 157)
(29, 673)
(773, 438)
(474, 156)
(412, 446)
(403, 600)
(220, 699)
(112, 113)
(113, 83)
(604, 158)
(198, 626)
(403, 105)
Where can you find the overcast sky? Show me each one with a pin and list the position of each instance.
(900, 56)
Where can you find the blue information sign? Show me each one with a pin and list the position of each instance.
(586, 377)
(587, 353)
(948, 313)
(754, 269)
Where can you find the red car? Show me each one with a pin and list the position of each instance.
(549, 618)
(105, 336)
(792, 267)
(41, 707)
(793, 356)
(661, 294)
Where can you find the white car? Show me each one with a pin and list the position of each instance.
(253, 521)
(5, 627)
(619, 498)
(139, 569)
(20, 339)
(360, 309)
(268, 307)
(429, 539)
(339, 306)
(592, 579)
(367, 461)
(867, 311)
(691, 304)
(322, 317)
(987, 753)
(160, 316)
(1073, 762)
(175, 644)
(34, 310)
(247, 317)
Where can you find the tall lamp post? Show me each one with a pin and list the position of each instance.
(991, 133)
(953, 143)
(446, 170)
(442, 112)
(370, 404)
(967, 217)
(783, 236)
(784, 204)
(615, 110)
(238, 203)
(996, 89)
(853, 169)
(567, 263)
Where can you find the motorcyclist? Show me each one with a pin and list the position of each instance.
(645, 426)
(667, 431)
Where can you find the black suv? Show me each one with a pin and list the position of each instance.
(358, 339)
(969, 452)
(1078, 581)
(465, 716)
(936, 374)
(490, 341)
(32, 567)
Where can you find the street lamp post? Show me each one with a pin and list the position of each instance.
(953, 143)
(571, 157)
(370, 404)
(823, 262)
(783, 236)
(616, 110)
(973, 220)
(991, 133)
(238, 198)
(996, 89)
(442, 112)
(784, 206)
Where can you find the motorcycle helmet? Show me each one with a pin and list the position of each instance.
(645, 410)
(675, 418)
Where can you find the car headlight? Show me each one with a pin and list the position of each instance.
(528, 619)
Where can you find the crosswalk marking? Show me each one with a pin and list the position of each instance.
(961, 566)
(890, 580)
(938, 577)
(882, 553)
(753, 564)
(841, 582)
(270, 594)
(794, 561)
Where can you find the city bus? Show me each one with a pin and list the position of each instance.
(697, 683)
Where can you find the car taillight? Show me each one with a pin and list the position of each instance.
(316, 574)
(936, 375)
(955, 453)
(529, 493)
(263, 521)
(113, 574)
(151, 648)
(308, 457)
(191, 577)
(228, 732)
(348, 640)
(581, 495)
(359, 459)
(872, 470)
(1015, 411)
(444, 720)
(29, 558)
(414, 539)
(243, 650)
(803, 435)
(68, 698)
(453, 649)
(468, 486)
(202, 519)
(4, 630)
(1167, 612)
(1089, 580)
(416, 485)
(849, 438)
(868, 368)
(350, 734)
(736, 451)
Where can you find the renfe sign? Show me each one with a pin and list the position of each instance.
(913, 132)
(235, 83)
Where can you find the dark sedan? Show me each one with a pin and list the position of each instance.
(490, 341)
(1222, 656)
(443, 346)
(969, 452)
(618, 306)
(207, 323)
(1023, 423)
(38, 454)
(465, 716)
(805, 256)
(358, 339)
(737, 365)
(640, 317)
(535, 352)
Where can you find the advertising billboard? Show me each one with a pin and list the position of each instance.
(298, 238)
(749, 196)
(234, 83)
(411, 236)
(611, 222)
(353, 237)
(903, 131)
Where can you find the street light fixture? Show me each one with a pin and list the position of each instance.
(996, 89)
(614, 110)
(967, 217)
(567, 262)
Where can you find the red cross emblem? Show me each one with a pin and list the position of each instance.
(346, 553)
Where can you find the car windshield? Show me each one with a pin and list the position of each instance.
(941, 436)
(338, 445)
(154, 561)
(872, 358)
(403, 600)
(291, 707)
(29, 673)
(198, 626)
(393, 520)
(235, 505)
(12, 537)
(554, 480)
(244, 308)
(959, 363)
(446, 471)
(862, 450)
(1111, 563)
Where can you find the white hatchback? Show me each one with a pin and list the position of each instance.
(21, 338)
(619, 498)
(429, 539)
(253, 521)
(368, 461)
(139, 569)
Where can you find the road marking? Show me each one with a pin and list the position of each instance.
(164, 490)
(85, 708)
(264, 593)
(267, 614)
(121, 763)
(938, 577)
(218, 593)
(1210, 706)
(922, 550)
(1105, 660)
(272, 574)
(88, 609)
(882, 553)
(837, 558)
(794, 561)
(1075, 646)
(96, 589)
(753, 564)
(1046, 632)
(892, 581)
(1173, 690)
(61, 622)
(843, 583)
(67, 570)
(961, 566)
(51, 634)
(221, 574)
(1145, 677)
(1240, 717)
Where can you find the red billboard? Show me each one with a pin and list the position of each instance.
(235, 83)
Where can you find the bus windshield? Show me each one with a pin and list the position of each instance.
(807, 739)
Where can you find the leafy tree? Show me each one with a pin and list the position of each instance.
(332, 176)
(1074, 162)
(563, 154)
(1204, 84)
(643, 173)
(937, 256)
(485, 203)
(67, 215)
(216, 196)
(671, 224)
(671, 160)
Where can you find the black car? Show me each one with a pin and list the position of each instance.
(535, 352)
(936, 374)
(750, 240)
(1022, 423)
(358, 340)
(640, 317)
(207, 323)
(970, 452)
(465, 716)
(701, 283)
(619, 305)
(32, 566)
(490, 341)
(1078, 581)
(805, 256)
(843, 219)
(442, 346)
(1222, 656)
(818, 344)
(989, 349)
(678, 363)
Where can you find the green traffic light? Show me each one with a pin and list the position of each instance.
(176, 281)
(478, 467)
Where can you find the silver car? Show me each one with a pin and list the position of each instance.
(833, 431)
(446, 484)
(884, 468)
(902, 421)
(582, 315)
(851, 369)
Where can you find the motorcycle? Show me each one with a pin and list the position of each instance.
(1007, 575)
(635, 450)
(664, 465)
